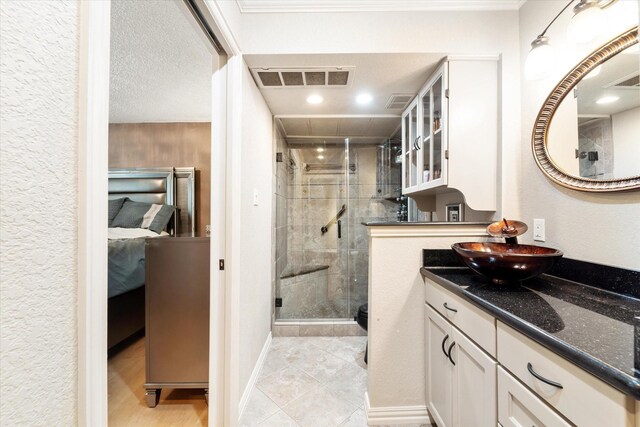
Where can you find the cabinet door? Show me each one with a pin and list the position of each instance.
(519, 407)
(406, 151)
(438, 130)
(439, 368)
(415, 140)
(425, 143)
(474, 384)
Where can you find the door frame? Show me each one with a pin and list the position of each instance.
(93, 110)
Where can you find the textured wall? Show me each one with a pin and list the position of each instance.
(38, 212)
(601, 228)
(148, 145)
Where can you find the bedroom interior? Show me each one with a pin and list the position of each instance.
(159, 211)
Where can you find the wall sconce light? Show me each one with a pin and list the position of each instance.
(586, 23)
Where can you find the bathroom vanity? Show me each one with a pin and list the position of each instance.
(556, 351)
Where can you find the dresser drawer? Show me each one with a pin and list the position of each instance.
(475, 323)
(518, 406)
(583, 399)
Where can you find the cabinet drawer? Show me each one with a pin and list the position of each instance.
(519, 407)
(583, 399)
(475, 323)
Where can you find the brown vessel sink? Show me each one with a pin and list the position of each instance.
(506, 263)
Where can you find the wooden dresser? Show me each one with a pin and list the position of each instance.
(177, 315)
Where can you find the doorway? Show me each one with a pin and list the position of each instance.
(93, 164)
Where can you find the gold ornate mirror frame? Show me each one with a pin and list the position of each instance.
(543, 121)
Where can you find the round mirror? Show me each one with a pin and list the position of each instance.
(587, 134)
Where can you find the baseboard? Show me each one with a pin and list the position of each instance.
(254, 376)
(395, 414)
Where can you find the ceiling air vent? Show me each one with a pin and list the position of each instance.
(269, 79)
(632, 82)
(399, 101)
(627, 82)
(303, 77)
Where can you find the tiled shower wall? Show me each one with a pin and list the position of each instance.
(312, 200)
(596, 136)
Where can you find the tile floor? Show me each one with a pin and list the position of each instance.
(310, 381)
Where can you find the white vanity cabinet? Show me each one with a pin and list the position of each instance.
(439, 368)
(482, 372)
(519, 407)
(461, 378)
(452, 127)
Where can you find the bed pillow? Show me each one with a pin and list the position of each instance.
(131, 214)
(114, 207)
(143, 215)
(157, 217)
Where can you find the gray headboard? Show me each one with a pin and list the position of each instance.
(171, 186)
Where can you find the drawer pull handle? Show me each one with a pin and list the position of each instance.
(444, 341)
(449, 308)
(541, 378)
(449, 353)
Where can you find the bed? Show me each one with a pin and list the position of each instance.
(173, 187)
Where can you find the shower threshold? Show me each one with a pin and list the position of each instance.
(316, 328)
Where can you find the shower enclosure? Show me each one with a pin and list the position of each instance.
(332, 187)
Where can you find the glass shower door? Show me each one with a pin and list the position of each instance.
(312, 283)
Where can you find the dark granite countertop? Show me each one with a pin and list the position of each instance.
(416, 223)
(590, 326)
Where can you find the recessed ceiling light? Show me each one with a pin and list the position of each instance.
(315, 99)
(320, 157)
(319, 149)
(607, 100)
(364, 98)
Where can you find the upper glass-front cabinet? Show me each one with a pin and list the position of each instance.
(424, 142)
(450, 133)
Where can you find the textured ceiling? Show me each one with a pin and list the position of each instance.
(160, 65)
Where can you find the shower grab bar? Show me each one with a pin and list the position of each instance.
(334, 219)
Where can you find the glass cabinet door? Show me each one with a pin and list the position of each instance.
(426, 139)
(413, 138)
(436, 129)
(406, 151)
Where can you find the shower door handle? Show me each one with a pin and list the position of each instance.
(339, 229)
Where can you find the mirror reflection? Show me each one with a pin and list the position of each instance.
(596, 131)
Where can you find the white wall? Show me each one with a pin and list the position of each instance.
(38, 212)
(626, 143)
(255, 224)
(387, 32)
(600, 228)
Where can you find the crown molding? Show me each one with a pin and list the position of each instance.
(333, 6)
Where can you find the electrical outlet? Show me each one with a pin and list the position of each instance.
(538, 230)
(255, 197)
